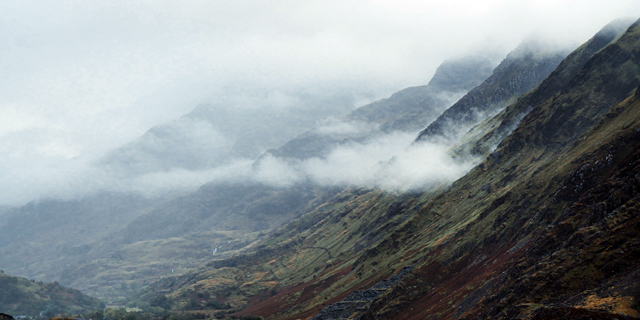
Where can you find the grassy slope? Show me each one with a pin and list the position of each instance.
(469, 236)
(319, 246)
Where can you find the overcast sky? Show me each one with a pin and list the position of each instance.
(82, 77)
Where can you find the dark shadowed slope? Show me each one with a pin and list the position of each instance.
(483, 138)
(510, 215)
(19, 296)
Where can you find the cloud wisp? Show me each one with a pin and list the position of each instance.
(388, 162)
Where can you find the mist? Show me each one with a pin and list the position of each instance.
(81, 79)
(389, 162)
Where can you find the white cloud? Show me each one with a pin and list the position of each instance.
(384, 162)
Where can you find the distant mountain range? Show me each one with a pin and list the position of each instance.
(219, 133)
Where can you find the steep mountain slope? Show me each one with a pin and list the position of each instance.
(518, 73)
(533, 249)
(450, 246)
(586, 259)
(483, 138)
(509, 202)
(19, 296)
(408, 110)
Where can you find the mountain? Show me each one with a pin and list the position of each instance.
(219, 133)
(484, 137)
(407, 110)
(530, 63)
(19, 296)
(544, 228)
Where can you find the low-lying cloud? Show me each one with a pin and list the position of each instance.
(389, 162)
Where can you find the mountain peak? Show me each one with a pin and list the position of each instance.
(519, 72)
(450, 74)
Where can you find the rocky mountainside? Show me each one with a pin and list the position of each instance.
(22, 297)
(408, 110)
(518, 73)
(543, 228)
(507, 206)
(483, 138)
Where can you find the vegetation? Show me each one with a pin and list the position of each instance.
(19, 296)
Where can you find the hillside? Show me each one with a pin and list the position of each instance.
(542, 228)
(541, 224)
(19, 296)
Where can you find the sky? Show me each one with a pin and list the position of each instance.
(80, 78)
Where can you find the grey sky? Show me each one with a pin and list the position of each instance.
(82, 77)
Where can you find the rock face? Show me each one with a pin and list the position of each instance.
(4, 316)
(518, 73)
(484, 138)
(359, 301)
